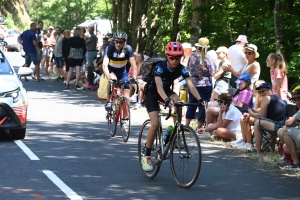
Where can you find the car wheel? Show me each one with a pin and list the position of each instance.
(18, 134)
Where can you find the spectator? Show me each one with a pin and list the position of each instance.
(137, 98)
(46, 54)
(30, 46)
(222, 78)
(77, 49)
(290, 136)
(228, 124)
(100, 55)
(91, 43)
(39, 38)
(237, 56)
(200, 68)
(93, 84)
(51, 38)
(253, 67)
(67, 35)
(59, 61)
(272, 108)
(278, 74)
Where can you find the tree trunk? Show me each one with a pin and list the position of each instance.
(119, 10)
(196, 21)
(115, 13)
(125, 16)
(176, 28)
(276, 26)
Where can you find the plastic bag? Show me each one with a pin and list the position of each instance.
(102, 89)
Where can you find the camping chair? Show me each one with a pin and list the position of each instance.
(269, 135)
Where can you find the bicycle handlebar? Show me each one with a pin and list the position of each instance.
(113, 81)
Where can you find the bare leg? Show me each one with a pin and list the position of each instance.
(226, 134)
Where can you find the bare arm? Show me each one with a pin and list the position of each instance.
(160, 88)
(134, 68)
(279, 87)
(105, 68)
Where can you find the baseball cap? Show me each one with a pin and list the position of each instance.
(243, 77)
(264, 85)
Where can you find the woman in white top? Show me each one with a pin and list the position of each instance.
(253, 67)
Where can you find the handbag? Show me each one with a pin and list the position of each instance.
(40, 44)
(102, 89)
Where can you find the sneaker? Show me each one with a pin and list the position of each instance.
(62, 79)
(108, 106)
(290, 166)
(236, 142)
(124, 127)
(77, 86)
(65, 81)
(80, 88)
(147, 164)
(46, 77)
(136, 106)
(245, 146)
(133, 99)
(205, 136)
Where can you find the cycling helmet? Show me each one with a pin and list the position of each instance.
(174, 48)
(120, 34)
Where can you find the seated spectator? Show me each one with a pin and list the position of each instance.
(139, 59)
(222, 78)
(247, 121)
(93, 84)
(241, 98)
(290, 136)
(278, 74)
(272, 108)
(228, 123)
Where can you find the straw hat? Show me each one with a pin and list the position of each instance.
(252, 47)
(202, 42)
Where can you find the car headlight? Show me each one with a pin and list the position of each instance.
(15, 94)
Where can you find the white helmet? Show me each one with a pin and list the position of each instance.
(120, 34)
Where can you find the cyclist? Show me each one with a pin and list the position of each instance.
(114, 66)
(159, 89)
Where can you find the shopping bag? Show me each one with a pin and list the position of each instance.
(102, 89)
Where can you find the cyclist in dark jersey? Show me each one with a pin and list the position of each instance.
(114, 65)
(159, 89)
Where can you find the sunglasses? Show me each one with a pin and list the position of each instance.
(221, 101)
(261, 91)
(119, 42)
(248, 52)
(174, 57)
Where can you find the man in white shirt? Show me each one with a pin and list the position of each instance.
(237, 56)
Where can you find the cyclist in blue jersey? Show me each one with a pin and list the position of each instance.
(115, 60)
(159, 89)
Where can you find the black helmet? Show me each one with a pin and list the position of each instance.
(120, 34)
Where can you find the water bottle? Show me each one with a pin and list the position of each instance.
(168, 133)
(117, 103)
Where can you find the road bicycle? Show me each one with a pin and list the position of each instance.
(185, 161)
(120, 111)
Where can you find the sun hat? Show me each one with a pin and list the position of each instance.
(222, 49)
(193, 48)
(243, 77)
(212, 54)
(252, 47)
(242, 38)
(296, 92)
(202, 42)
(264, 85)
(186, 45)
(50, 27)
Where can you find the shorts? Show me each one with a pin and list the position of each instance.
(91, 55)
(121, 75)
(294, 133)
(67, 63)
(31, 57)
(221, 86)
(46, 52)
(152, 97)
(75, 62)
(59, 62)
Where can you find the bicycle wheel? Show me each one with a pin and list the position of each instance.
(111, 122)
(124, 112)
(186, 161)
(156, 152)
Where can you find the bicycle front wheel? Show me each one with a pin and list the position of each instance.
(124, 112)
(111, 122)
(156, 151)
(185, 161)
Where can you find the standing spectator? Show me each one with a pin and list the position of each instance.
(65, 52)
(91, 43)
(30, 46)
(39, 38)
(200, 68)
(237, 56)
(278, 73)
(52, 42)
(100, 55)
(59, 62)
(46, 53)
(77, 49)
(222, 78)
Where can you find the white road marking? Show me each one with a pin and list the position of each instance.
(61, 185)
(26, 150)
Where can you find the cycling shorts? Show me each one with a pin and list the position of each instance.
(152, 97)
(121, 74)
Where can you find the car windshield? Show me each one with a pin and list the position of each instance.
(4, 65)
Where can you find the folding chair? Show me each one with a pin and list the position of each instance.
(268, 135)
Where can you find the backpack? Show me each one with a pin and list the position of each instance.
(148, 67)
(111, 50)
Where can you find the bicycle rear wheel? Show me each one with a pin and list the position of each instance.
(124, 112)
(186, 161)
(156, 153)
(111, 122)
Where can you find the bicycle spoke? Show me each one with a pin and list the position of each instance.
(111, 122)
(125, 118)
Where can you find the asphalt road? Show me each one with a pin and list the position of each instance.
(70, 155)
